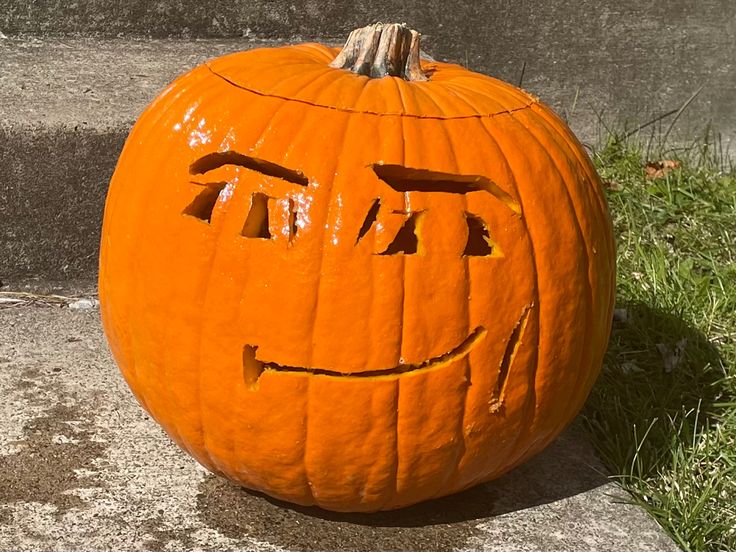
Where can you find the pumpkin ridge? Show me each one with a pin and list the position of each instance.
(347, 123)
(208, 278)
(331, 79)
(219, 235)
(451, 90)
(466, 307)
(428, 93)
(401, 258)
(395, 475)
(574, 146)
(171, 98)
(575, 212)
(200, 432)
(330, 203)
(554, 136)
(600, 201)
(452, 479)
(586, 263)
(467, 371)
(472, 83)
(140, 289)
(313, 49)
(397, 454)
(306, 483)
(368, 112)
(537, 296)
(346, 126)
(303, 481)
(399, 85)
(309, 489)
(459, 90)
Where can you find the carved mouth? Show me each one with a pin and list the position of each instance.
(253, 367)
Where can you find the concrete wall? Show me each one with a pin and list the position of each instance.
(75, 75)
(627, 60)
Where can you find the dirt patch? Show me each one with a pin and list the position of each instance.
(56, 454)
(28, 380)
(44, 469)
(6, 516)
(161, 535)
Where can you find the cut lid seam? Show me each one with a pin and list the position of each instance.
(366, 112)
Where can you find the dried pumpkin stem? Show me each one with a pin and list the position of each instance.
(382, 50)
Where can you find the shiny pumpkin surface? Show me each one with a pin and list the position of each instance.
(352, 292)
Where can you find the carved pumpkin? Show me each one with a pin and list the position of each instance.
(361, 285)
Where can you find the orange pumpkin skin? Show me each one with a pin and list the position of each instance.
(184, 297)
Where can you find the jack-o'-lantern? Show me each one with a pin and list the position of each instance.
(355, 279)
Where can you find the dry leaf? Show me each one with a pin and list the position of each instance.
(659, 169)
(612, 185)
(630, 368)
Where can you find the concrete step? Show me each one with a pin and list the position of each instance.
(626, 59)
(83, 468)
(66, 105)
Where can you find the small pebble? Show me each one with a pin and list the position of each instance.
(620, 315)
(84, 304)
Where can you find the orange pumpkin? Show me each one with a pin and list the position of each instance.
(361, 285)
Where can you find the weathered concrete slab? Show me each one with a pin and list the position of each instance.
(83, 468)
(66, 104)
(625, 58)
(94, 84)
(66, 107)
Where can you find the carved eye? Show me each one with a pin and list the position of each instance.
(479, 242)
(406, 241)
(407, 179)
(205, 201)
(293, 226)
(256, 223)
(370, 218)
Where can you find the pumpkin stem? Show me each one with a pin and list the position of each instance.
(382, 50)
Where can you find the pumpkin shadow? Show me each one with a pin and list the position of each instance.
(661, 377)
(566, 468)
(637, 356)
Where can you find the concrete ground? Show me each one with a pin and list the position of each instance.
(82, 467)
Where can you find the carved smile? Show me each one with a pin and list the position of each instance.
(253, 367)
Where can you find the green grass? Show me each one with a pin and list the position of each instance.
(667, 427)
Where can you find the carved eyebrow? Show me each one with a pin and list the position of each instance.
(215, 160)
(406, 179)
